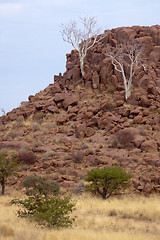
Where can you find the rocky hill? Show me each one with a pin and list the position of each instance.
(77, 124)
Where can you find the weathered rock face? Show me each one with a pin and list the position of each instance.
(88, 117)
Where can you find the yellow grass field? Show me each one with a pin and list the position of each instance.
(129, 217)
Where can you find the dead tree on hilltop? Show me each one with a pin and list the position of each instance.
(127, 56)
(82, 40)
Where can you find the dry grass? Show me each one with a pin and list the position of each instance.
(121, 218)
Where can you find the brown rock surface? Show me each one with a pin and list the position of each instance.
(149, 146)
(89, 114)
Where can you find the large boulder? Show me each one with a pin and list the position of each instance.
(69, 100)
(59, 97)
(53, 109)
(149, 146)
(155, 55)
(80, 130)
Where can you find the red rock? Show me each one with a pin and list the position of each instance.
(144, 81)
(146, 41)
(59, 97)
(53, 109)
(107, 105)
(88, 115)
(76, 73)
(137, 119)
(104, 123)
(125, 33)
(69, 65)
(157, 163)
(90, 132)
(148, 188)
(155, 55)
(119, 103)
(144, 101)
(61, 119)
(80, 130)
(69, 100)
(39, 106)
(56, 88)
(113, 42)
(94, 109)
(136, 183)
(118, 154)
(138, 140)
(74, 109)
(72, 116)
(149, 146)
(31, 98)
(146, 112)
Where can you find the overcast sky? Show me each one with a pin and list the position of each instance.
(31, 48)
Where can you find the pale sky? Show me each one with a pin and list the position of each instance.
(31, 48)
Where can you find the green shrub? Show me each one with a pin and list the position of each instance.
(40, 185)
(49, 211)
(107, 181)
(8, 165)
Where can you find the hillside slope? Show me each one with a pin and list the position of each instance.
(77, 124)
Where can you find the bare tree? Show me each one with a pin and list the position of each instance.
(126, 60)
(82, 39)
(3, 111)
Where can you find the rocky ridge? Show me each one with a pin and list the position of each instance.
(77, 124)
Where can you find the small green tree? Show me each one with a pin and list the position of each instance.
(42, 204)
(107, 181)
(8, 165)
(40, 185)
(52, 212)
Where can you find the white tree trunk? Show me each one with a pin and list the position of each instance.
(128, 90)
(82, 66)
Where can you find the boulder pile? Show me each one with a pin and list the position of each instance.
(78, 123)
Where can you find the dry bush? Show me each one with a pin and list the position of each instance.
(77, 156)
(35, 126)
(50, 125)
(2, 127)
(19, 122)
(38, 117)
(123, 139)
(14, 133)
(48, 154)
(27, 157)
(25, 147)
(37, 144)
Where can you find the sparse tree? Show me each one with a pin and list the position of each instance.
(40, 185)
(126, 59)
(51, 212)
(82, 39)
(107, 181)
(8, 165)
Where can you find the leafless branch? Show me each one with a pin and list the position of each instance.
(82, 39)
(129, 54)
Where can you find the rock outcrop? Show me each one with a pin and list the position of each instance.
(80, 123)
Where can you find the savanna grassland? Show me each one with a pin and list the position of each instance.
(131, 217)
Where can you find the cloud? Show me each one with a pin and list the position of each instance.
(10, 9)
